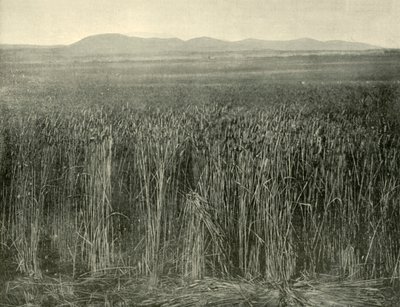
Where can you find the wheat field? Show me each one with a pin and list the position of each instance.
(292, 192)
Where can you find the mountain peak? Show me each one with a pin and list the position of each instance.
(203, 38)
(306, 39)
(103, 36)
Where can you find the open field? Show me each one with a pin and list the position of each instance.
(241, 179)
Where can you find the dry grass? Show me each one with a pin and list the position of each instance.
(121, 290)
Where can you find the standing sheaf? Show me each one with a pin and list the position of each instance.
(320, 137)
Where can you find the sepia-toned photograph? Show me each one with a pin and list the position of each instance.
(199, 153)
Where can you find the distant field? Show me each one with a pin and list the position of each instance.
(244, 80)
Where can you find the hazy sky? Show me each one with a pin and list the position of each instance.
(66, 21)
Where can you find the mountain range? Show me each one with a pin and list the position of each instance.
(118, 43)
(123, 44)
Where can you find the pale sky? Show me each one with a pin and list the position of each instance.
(66, 21)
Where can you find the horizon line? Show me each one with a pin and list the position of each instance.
(192, 38)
